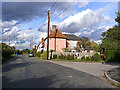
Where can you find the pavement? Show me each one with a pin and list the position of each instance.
(96, 69)
(28, 72)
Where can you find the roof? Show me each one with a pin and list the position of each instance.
(57, 33)
(71, 37)
(39, 44)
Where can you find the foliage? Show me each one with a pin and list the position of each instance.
(44, 55)
(83, 58)
(61, 56)
(54, 56)
(88, 59)
(37, 54)
(77, 49)
(70, 57)
(7, 51)
(110, 45)
(25, 51)
(96, 57)
(65, 50)
(87, 44)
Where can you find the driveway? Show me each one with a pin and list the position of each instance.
(25, 72)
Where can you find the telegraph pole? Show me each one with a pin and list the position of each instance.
(48, 36)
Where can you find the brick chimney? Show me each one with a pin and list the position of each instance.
(53, 27)
(42, 39)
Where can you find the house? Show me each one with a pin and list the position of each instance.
(40, 47)
(58, 41)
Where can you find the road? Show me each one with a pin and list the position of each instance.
(28, 72)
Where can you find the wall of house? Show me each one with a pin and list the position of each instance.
(60, 43)
(71, 43)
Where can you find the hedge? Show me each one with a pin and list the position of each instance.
(112, 55)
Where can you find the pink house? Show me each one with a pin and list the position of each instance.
(58, 41)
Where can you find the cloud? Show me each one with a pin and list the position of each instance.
(27, 11)
(96, 33)
(13, 33)
(82, 21)
(8, 24)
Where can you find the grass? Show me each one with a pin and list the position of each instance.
(77, 60)
(7, 58)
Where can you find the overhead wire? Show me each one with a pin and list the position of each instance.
(63, 10)
(46, 15)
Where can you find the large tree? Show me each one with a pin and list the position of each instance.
(110, 45)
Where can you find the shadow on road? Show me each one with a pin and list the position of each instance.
(43, 82)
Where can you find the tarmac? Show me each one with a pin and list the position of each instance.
(96, 69)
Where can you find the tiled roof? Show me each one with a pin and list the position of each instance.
(72, 37)
(57, 33)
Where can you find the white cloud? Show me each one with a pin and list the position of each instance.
(8, 24)
(85, 20)
(13, 33)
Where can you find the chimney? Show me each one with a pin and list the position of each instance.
(53, 27)
(42, 39)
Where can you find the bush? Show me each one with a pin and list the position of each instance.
(70, 57)
(83, 58)
(62, 56)
(112, 55)
(37, 54)
(44, 55)
(65, 50)
(96, 57)
(54, 56)
(87, 59)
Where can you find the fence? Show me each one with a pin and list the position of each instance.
(78, 54)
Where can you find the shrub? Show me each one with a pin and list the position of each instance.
(87, 58)
(62, 56)
(112, 55)
(65, 50)
(83, 58)
(70, 57)
(37, 54)
(54, 56)
(96, 57)
(44, 55)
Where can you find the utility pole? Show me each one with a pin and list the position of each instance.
(48, 36)
(9, 40)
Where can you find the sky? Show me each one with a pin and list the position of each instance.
(24, 20)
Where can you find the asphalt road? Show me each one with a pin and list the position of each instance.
(25, 72)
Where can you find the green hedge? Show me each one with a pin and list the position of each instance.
(112, 55)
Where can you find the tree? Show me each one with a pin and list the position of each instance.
(110, 42)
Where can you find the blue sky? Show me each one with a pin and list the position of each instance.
(22, 20)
